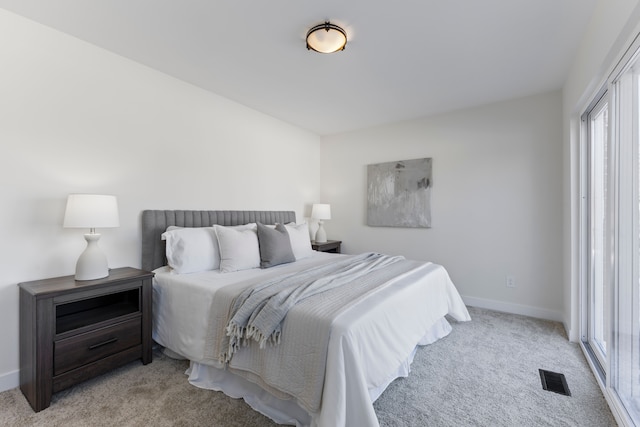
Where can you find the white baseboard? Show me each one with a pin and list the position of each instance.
(507, 307)
(9, 380)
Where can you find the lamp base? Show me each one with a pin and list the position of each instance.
(92, 263)
(321, 235)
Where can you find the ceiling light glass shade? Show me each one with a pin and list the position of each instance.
(326, 38)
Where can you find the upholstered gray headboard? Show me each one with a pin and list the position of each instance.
(155, 222)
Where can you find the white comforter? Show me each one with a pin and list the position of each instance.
(363, 357)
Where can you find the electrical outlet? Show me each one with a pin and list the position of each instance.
(510, 282)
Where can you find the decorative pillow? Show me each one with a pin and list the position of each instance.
(190, 250)
(275, 246)
(238, 248)
(300, 241)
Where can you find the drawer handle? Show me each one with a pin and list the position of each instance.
(100, 344)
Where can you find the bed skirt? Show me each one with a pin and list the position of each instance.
(288, 412)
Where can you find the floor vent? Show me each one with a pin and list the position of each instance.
(552, 381)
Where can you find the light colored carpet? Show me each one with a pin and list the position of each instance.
(485, 373)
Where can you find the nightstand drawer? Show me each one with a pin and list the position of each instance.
(73, 352)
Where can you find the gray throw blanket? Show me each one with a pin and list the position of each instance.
(257, 313)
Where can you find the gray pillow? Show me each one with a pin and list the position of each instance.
(275, 246)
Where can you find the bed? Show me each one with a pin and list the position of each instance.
(336, 350)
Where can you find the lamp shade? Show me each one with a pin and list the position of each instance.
(91, 211)
(321, 211)
(326, 38)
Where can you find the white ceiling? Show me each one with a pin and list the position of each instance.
(404, 59)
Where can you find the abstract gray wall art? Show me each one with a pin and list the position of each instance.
(399, 193)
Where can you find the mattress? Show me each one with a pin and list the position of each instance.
(366, 350)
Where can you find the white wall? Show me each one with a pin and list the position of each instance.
(76, 118)
(496, 200)
(613, 25)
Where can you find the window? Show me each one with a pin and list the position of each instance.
(595, 337)
(625, 332)
(611, 236)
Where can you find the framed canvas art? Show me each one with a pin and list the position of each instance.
(399, 193)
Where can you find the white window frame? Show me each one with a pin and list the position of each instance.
(598, 360)
(623, 217)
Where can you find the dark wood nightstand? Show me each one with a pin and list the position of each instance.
(73, 330)
(328, 246)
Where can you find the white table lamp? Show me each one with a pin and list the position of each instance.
(321, 211)
(91, 211)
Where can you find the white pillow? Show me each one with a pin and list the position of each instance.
(190, 250)
(300, 241)
(239, 249)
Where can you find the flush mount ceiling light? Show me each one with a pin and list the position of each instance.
(326, 38)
